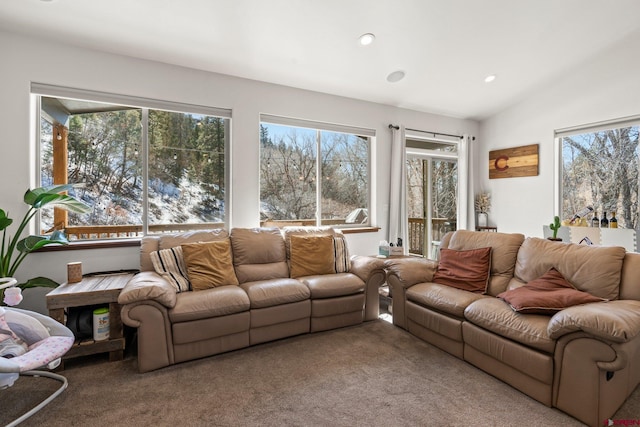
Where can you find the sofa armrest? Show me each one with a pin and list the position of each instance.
(371, 271)
(615, 321)
(411, 271)
(365, 266)
(148, 285)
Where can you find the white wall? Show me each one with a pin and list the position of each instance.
(26, 60)
(604, 88)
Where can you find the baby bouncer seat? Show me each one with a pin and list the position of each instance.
(30, 341)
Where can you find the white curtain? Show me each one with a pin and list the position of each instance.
(398, 190)
(467, 185)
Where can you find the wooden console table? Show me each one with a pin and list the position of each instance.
(92, 290)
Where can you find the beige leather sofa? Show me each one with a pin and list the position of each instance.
(267, 304)
(583, 360)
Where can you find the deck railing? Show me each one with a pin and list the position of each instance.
(440, 226)
(124, 231)
(416, 230)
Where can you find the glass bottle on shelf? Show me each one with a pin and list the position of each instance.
(595, 221)
(613, 222)
(604, 222)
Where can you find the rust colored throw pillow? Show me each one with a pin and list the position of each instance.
(209, 264)
(547, 294)
(311, 255)
(467, 270)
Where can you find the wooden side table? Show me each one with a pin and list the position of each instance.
(92, 290)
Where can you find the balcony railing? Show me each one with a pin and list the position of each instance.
(440, 226)
(123, 231)
(416, 230)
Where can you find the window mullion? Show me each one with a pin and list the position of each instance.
(318, 178)
(145, 171)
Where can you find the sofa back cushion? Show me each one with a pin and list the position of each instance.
(504, 250)
(629, 284)
(258, 254)
(592, 269)
(166, 241)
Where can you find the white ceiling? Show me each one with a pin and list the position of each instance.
(445, 47)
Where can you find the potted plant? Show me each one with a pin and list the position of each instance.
(483, 206)
(14, 249)
(555, 226)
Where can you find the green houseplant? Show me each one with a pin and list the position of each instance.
(555, 226)
(14, 249)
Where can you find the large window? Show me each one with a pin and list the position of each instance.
(313, 173)
(600, 169)
(142, 170)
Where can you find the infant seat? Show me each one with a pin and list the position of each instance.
(29, 341)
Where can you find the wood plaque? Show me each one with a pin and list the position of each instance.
(514, 162)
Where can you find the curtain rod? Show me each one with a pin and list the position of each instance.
(396, 127)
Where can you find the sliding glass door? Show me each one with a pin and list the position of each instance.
(432, 194)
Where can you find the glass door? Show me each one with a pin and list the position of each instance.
(432, 196)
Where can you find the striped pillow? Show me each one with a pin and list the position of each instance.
(169, 263)
(342, 253)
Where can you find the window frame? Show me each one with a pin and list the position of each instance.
(39, 90)
(559, 134)
(318, 127)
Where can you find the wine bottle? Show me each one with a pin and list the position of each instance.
(613, 222)
(595, 221)
(604, 222)
(581, 214)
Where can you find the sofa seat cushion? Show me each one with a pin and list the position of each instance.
(214, 302)
(496, 316)
(333, 285)
(442, 298)
(267, 293)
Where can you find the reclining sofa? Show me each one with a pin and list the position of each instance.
(582, 359)
(207, 292)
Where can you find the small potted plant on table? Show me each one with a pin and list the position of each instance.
(555, 226)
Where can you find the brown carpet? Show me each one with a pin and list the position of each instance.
(369, 375)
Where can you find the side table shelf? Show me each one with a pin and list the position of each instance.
(92, 290)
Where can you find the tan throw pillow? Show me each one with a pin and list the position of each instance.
(467, 270)
(209, 264)
(311, 255)
(547, 294)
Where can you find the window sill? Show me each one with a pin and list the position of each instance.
(92, 244)
(360, 230)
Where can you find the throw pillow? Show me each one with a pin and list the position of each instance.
(467, 270)
(312, 255)
(342, 254)
(547, 294)
(209, 264)
(169, 263)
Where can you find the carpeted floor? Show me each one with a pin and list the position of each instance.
(369, 375)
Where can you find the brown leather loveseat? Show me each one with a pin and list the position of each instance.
(243, 287)
(582, 359)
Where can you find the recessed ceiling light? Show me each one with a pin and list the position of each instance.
(366, 39)
(396, 76)
(490, 78)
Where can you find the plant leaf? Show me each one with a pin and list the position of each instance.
(42, 282)
(5, 221)
(40, 197)
(32, 243)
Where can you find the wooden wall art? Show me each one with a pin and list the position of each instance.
(514, 162)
